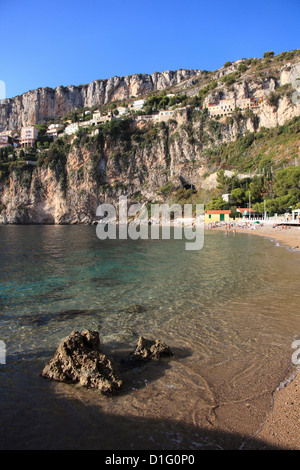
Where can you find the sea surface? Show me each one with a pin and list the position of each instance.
(229, 312)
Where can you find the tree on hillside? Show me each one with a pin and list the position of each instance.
(287, 182)
(268, 55)
(217, 203)
(238, 196)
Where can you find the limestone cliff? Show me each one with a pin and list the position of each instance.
(44, 104)
(147, 161)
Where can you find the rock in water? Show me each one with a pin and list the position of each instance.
(79, 359)
(148, 349)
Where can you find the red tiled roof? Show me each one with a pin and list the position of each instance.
(243, 209)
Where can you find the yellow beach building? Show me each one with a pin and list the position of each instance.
(217, 216)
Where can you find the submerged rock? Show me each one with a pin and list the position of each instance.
(147, 349)
(79, 359)
(41, 320)
(135, 308)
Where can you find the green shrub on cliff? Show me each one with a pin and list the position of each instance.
(230, 78)
(273, 99)
(268, 55)
(167, 189)
(117, 130)
(56, 158)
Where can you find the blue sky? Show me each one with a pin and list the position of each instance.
(74, 42)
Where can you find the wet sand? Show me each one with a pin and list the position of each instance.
(281, 429)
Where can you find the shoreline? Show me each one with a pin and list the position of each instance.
(289, 236)
(281, 427)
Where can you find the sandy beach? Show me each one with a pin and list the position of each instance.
(282, 427)
(289, 236)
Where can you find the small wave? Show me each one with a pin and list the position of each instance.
(287, 381)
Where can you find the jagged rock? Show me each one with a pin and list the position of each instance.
(147, 349)
(79, 359)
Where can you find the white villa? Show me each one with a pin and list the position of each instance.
(165, 115)
(53, 130)
(121, 110)
(72, 128)
(138, 105)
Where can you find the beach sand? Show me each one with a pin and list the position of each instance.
(282, 427)
(289, 236)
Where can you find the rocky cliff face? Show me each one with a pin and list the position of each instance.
(44, 104)
(285, 83)
(138, 159)
(143, 162)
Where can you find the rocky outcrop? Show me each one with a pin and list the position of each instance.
(44, 104)
(79, 359)
(147, 349)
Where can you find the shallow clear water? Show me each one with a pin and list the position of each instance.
(229, 312)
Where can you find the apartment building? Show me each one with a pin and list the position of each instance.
(29, 136)
(227, 106)
(242, 103)
(223, 107)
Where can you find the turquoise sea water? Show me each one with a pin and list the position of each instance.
(229, 312)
